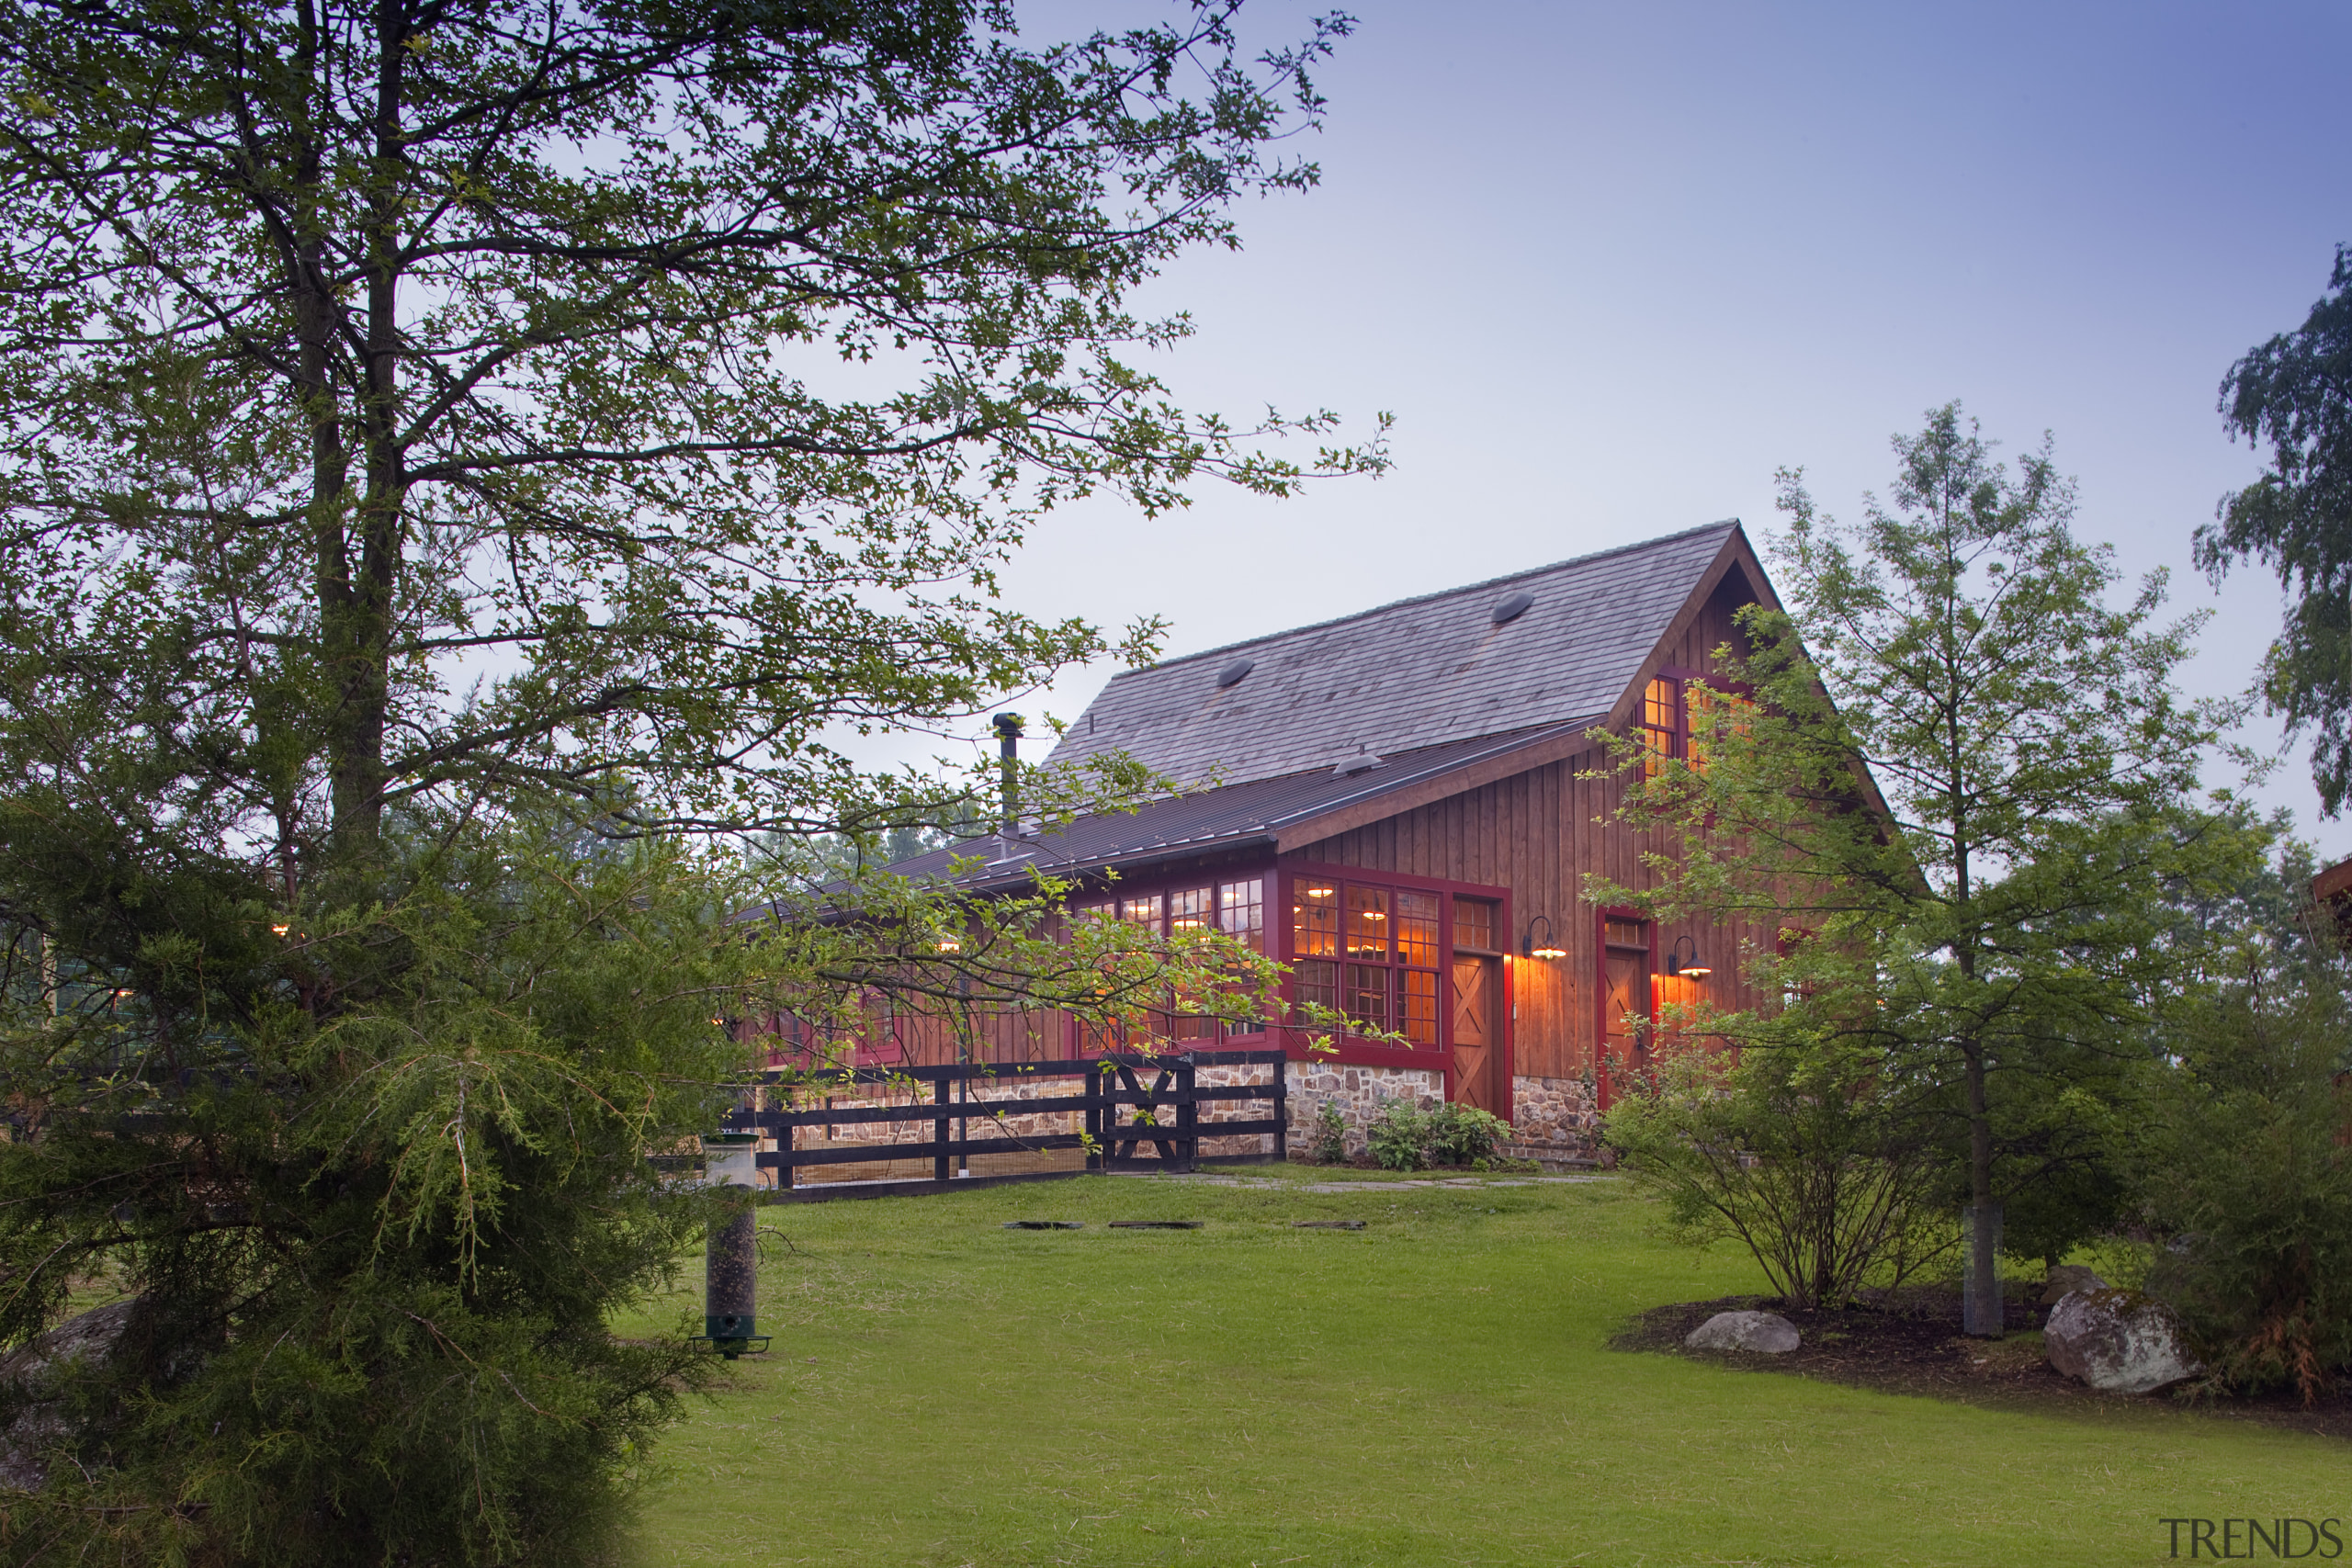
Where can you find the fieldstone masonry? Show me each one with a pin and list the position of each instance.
(1359, 1092)
(1552, 1119)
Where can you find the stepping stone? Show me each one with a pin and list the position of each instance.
(1327, 1224)
(1044, 1224)
(1154, 1224)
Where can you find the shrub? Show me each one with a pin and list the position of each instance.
(1802, 1156)
(1329, 1142)
(2249, 1169)
(1464, 1134)
(1400, 1137)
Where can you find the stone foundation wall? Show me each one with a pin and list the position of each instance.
(1553, 1118)
(1359, 1092)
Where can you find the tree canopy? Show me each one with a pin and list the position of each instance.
(2295, 393)
(453, 454)
(1958, 785)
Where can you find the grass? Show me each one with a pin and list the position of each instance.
(1433, 1389)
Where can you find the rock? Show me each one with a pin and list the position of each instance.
(31, 1374)
(2117, 1341)
(1765, 1333)
(2066, 1279)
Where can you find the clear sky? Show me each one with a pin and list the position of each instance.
(1611, 264)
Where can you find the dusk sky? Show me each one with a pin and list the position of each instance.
(1609, 265)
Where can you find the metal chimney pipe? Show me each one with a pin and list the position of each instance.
(1008, 753)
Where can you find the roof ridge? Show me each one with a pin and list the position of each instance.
(1723, 523)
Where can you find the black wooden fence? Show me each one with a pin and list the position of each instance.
(1122, 1114)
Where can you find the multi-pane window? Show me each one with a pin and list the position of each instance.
(1241, 911)
(1368, 950)
(1190, 909)
(1475, 922)
(1732, 713)
(1314, 941)
(1236, 908)
(1660, 729)
(1674, 712)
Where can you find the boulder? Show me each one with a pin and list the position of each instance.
(1765, 1333)
(29, 1378)
(2117, 1341)
(2065, 1280)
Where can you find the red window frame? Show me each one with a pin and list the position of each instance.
(1184, 1031)
(1354, 1050)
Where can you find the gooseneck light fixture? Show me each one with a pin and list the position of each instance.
(1684, 969)
(1551, 948)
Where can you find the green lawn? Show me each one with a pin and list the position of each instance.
(1435, 1389)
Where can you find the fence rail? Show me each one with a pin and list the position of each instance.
(1120, 1113)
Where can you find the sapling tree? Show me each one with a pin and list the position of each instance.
(458, 460)
(1960, 785)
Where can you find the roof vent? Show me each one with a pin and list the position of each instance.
(1362, 762)
(1512, 606)
(1232, 673)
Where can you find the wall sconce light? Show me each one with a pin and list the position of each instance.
(1679, 967)
(948, 944)
(1551, 948)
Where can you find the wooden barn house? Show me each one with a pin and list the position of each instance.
(1399, 815)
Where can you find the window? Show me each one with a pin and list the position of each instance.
(1672, 714)
(1190, 909)
(1660, 729)
(1236, 908)
(1474, 922)
(1369, 951)
(1733, 710)
(1241, 911)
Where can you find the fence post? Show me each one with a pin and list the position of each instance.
(1281, 1107)
(1093, 1113)
(1188, 1115)
(939, 1128)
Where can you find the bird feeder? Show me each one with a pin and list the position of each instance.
(731, 1256)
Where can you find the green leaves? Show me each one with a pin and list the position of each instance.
(468, 377)
(453, 459)
(1958, 785)
(2295, 393)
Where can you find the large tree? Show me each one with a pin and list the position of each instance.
(2295, 393)
(1958, 785)
(451, 453)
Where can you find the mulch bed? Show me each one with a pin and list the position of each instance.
(1911, 1343)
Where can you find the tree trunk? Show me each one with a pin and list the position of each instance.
(1983, 1292)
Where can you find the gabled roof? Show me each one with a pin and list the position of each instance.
(1421, 673)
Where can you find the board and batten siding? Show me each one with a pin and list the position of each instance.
(1538, 833)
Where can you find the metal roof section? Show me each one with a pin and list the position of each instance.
(1209, 820)
(1429, 671)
